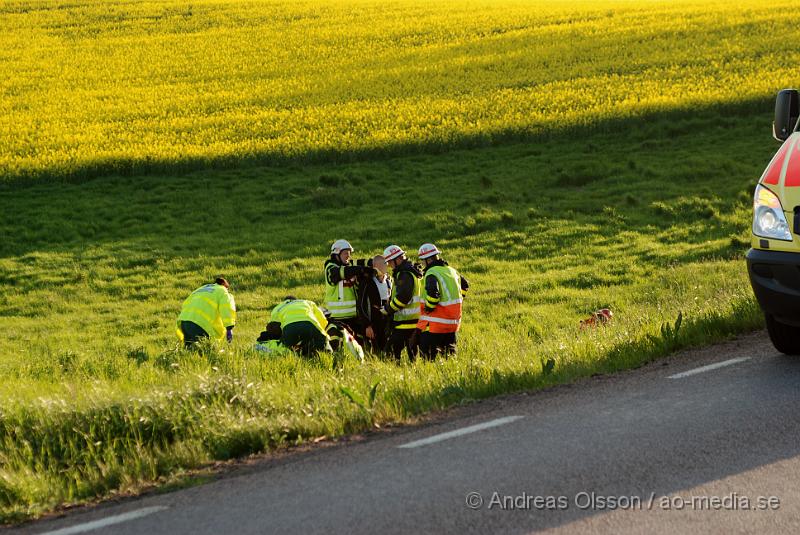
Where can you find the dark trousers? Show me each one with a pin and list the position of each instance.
(379, 328)
(403, 338)
(192, 333)
(432, 345)
(306, 336)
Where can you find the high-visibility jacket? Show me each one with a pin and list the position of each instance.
(340, 297)
(446, 314)
(293, 311)
(406, 311)
(211, 307)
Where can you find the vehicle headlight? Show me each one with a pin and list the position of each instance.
(769, 220)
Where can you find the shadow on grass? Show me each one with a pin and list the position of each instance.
(672, 169)
(667, 123)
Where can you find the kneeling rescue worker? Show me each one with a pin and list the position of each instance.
(210, 311)
(442, 295)
(404, 303)
(301, 324)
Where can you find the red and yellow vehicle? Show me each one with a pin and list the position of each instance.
(773, 262)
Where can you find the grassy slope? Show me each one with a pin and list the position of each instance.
(649, 217)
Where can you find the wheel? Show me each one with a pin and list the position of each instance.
(785, 338)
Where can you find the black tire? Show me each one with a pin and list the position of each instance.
(785, 338)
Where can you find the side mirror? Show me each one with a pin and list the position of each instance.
(787, 111)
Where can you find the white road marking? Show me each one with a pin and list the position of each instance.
(460, 432)
(104, 522)
(708, 368)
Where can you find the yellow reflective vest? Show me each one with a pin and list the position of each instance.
(293, 311)
(406, 315)
(340, 298)
(211, 307)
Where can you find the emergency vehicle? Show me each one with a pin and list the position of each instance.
(773, 262)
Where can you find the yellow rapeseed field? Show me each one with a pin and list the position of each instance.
(94, 87)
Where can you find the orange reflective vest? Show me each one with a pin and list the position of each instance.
(446, 314)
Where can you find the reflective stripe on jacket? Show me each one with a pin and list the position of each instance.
(340, 297)
(405, 308)
(445, 316)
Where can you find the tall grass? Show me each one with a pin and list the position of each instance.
(100, 441)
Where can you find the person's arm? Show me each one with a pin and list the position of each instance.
(403, 295)
(320, 317)
(363, 299)
(464, 285)
(334, 274)
(227, 311)
(432, 292)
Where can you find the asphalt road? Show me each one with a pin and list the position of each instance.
(646, 451)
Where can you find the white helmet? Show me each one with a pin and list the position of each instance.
(392, 252)
(428, 250)
(340, 245)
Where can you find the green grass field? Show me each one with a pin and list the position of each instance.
(646, 211)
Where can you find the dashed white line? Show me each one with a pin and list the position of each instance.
(709, 367)
(460, 432)
(104, 522)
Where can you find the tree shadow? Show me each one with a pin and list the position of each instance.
(649, 174)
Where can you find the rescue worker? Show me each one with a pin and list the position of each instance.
(209, 312)
(404, 303)
(341, 278)
(373, 295)
(302, 325)
(442, 295)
